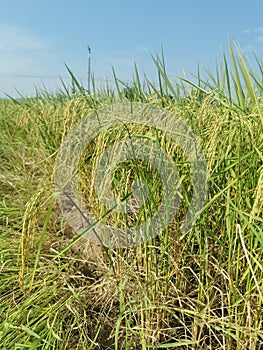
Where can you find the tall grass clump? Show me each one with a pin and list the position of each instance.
(199, 290)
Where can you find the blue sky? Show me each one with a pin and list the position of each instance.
(38, 37)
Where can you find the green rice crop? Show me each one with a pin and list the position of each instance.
(200, 290)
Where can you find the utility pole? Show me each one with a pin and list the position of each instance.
(89, 73)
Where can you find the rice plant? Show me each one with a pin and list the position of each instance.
(199, 290)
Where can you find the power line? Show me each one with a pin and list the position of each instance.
(32, 76)
(25, 76)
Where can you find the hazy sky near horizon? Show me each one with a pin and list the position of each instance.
(38, 37)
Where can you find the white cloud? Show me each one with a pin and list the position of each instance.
(21, 52)
(143, 48)
(122, 59)
(255, 40)
(13, 39)
(254, 30)
(14, 64)
(24, 58)
(125, 58)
